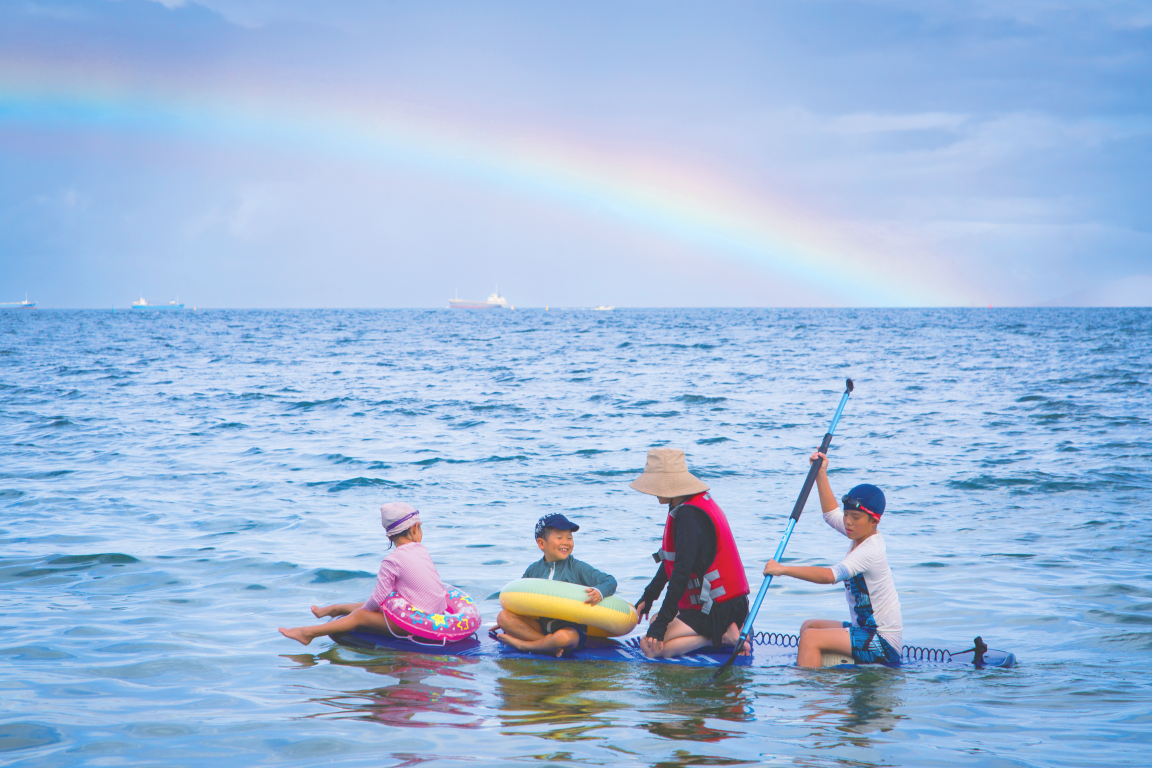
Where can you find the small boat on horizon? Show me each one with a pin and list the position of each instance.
(142, 304)
(495, 301)
(603, 308)
(18, 304)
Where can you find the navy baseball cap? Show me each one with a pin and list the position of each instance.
(554, 520)
(866, 497)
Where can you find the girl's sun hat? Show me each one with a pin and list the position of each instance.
(397, 517)
(666, 474)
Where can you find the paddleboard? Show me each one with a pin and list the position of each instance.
(486, 647)
(769, 650)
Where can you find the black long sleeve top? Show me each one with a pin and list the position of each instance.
(695, 542)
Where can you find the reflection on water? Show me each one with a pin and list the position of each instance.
(563, 701)
(855, 705)
(682, 757)
(410, 702)
(873, 698)
(686, 704)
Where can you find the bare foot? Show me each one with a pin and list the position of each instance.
(526, 646)
(507, 639)
(319, 612)
(730, 638)
(297, 634)
(651, 647)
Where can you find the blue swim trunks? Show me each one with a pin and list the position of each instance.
(548, 626)
(869, 648)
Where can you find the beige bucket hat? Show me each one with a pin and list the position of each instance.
(666, 474)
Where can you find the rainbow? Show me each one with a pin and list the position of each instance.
(684, 206)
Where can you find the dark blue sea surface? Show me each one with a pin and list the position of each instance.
(177, 485)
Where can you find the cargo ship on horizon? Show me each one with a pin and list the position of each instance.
(18, 304)
(495, 301)
(142, 304)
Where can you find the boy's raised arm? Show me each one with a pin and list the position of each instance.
(828, 501)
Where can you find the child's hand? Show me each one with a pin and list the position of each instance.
(773, 568)
(824, 465)
(642, 609)
(594, 595)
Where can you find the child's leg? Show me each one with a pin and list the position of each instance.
(564, 639)
(357, 619)
(519, 627)
(334, 610)
(524, 633)
(819, 636)
(820, 624)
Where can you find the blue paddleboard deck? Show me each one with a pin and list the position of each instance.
(485, 647)
(764, 654)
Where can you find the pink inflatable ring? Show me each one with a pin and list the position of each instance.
(458, 621)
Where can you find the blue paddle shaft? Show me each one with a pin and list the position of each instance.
(767, 581)
(801, 500)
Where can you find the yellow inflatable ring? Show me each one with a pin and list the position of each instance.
(611, 617)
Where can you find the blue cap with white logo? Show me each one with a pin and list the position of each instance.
(554, 520)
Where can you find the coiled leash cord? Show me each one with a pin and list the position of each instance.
(909, 652)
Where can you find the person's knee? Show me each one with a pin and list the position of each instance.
(567, 637)
(809, 624)
(504, 619)
(809, 639)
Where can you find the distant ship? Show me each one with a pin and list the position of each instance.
(18, 304)
(603, 308)
(141, 304)
(495, 301)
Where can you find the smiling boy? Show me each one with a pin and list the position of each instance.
(555, 636)
(874, 634)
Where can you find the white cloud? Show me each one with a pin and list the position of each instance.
(68, 200)
(1117, 13)
(250, 216)
(798, 120)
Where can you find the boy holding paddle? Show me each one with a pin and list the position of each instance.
(874, 634)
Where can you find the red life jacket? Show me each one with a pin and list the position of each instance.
(725, 579)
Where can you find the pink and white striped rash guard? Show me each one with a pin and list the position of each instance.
(410, 571)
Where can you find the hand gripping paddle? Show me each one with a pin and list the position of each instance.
(796, 510)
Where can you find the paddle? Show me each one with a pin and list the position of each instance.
(809, 481)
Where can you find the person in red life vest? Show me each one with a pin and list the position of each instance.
(707, 599)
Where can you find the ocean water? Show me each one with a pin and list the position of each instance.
(176, 486)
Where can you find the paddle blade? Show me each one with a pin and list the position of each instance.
(731, 659)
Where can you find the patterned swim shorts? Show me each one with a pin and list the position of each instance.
(869, 648)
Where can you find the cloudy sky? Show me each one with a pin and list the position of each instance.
(294, 153)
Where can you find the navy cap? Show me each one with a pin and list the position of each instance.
(554, 520)
(866, 497)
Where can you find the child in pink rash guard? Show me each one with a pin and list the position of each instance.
(409, 571)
